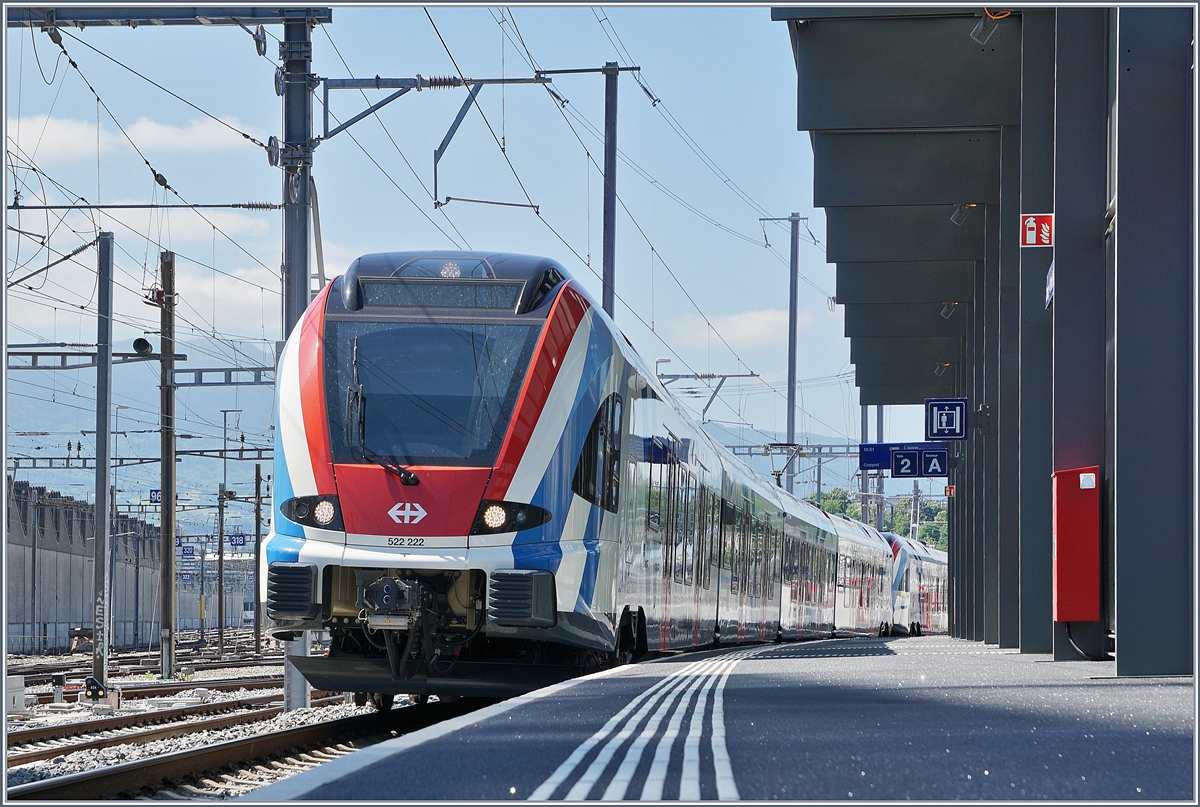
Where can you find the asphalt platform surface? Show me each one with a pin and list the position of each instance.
(928, 718)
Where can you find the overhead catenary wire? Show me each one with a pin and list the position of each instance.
(171, 93)
(70, 193)
(325, 30)
(159, 178)
(560, 106)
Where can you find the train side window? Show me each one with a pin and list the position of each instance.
(687, 521)
(671, 518)
(630, 521)
(714, 538)
(654, 497)
(598, 472)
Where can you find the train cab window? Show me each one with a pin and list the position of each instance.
(423, 393)
(598, 474)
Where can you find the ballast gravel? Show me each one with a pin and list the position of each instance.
(47, 714)
(91, 759)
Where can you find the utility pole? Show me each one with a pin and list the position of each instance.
(296, 158)
(221, 570)
(611, 71)
(100, 637)
(223, 494)
(864, 484)
(793, 294)
(167, 467)
(203, 547)
(610, 184)
(295, 51)
(914, 522)
(879, 474)
(819, 460)
(257, 557)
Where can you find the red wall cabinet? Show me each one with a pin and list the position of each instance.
(1077, 544)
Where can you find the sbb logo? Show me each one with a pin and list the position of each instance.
(407, 512)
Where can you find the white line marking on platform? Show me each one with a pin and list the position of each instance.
(656, 778)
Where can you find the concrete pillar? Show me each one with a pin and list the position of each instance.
(1008, 402)
(1080, 198)
(1036, 438)
(1154, 408)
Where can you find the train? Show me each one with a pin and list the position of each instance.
(480, 488)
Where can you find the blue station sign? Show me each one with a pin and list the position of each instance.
(881, 456)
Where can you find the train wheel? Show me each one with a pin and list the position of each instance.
(360, 698)
(382, 701)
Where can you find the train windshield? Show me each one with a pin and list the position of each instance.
(433, 393)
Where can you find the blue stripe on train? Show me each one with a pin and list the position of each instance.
(540, 548)
(287, 537)
(591, 544)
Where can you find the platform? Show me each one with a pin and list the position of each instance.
(927, 718)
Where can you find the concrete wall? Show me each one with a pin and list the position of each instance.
(49, 555)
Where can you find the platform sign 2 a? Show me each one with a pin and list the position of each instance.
(946, 418)
(906, 463)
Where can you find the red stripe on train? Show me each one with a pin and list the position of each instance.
(312, 393)
(561, 324)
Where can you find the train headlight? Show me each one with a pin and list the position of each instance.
(493, 517)
(314, 511)
(324, 512)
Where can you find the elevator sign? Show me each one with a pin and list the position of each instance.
(946, 418)
(1037, 229)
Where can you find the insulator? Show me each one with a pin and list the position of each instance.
(258, 206)
(443, 82)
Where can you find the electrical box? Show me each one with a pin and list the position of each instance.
(1077, 544)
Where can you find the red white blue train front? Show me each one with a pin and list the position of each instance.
(439, 453)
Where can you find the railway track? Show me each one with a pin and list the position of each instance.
(158, 689)
(43, 674)
(33, 745)
(238, 766)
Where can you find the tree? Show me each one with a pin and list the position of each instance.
(837, 500)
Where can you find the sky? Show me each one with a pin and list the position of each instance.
(709, 146)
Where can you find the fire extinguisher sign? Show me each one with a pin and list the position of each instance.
(1037, 229)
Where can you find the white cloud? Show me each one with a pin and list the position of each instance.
(55, 139)
(199, 134)
(240, 308)
(748, 330)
